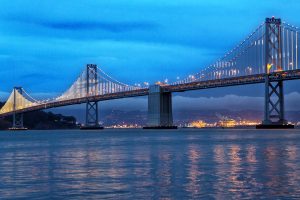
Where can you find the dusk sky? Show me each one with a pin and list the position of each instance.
(44, 45)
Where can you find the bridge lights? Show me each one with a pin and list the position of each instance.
(269, 66)
(249, 70)
(279, 68)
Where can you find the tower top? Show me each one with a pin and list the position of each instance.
(273, 20)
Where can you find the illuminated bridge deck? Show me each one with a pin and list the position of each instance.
(197, 85)
(242, 80)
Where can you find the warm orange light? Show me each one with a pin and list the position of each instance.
(269, 66)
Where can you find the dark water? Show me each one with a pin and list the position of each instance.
(137, 164)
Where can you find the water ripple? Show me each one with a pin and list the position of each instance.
(136, 164)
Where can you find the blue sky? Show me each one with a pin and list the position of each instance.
(44, 45)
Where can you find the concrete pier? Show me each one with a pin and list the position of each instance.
(159, 109)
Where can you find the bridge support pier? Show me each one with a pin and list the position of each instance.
(159, 109)
(18, 122)
(274, 106)
(91, 117)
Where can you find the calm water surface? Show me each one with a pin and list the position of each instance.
(142, 164)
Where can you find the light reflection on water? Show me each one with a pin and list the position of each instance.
(136, 164)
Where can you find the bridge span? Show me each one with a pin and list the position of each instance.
(268, 55)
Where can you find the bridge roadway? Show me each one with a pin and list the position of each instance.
(197, 85)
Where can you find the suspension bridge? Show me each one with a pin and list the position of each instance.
(268, 55)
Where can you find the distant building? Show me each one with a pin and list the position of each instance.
(227, 123)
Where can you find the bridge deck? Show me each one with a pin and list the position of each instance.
(197, 85)
(242, 80)
(118, 95)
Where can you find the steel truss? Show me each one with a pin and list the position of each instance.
(91, 88)
(274, 97)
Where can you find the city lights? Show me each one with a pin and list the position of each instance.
(224, 123)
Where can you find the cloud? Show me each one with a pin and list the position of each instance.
(56, 63)
(229, 102)
(232, 102)
(115, 27)
(33, 76)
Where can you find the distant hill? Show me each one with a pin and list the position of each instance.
(42, 120)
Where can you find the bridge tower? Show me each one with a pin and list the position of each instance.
(17, 117)
(159, 109)
(91, 117)
(274, 95)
